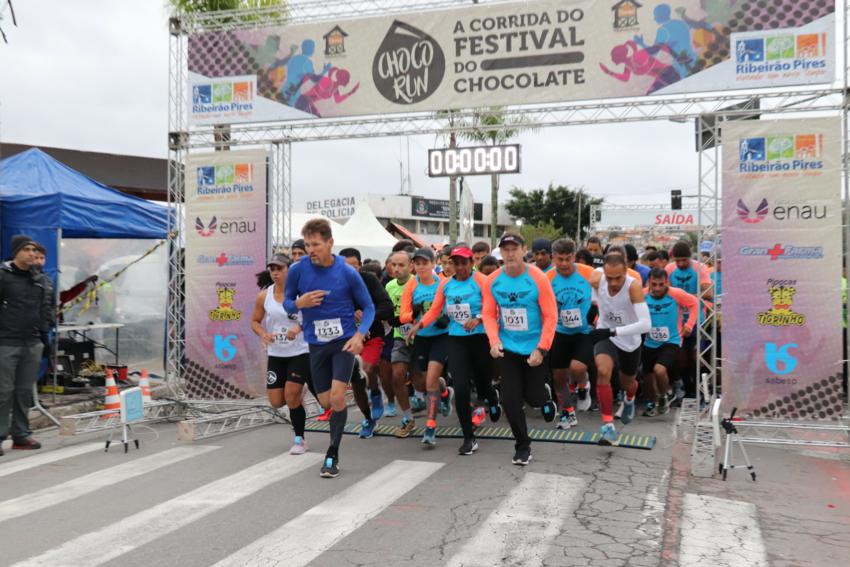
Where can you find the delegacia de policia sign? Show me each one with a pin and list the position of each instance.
(335, 208)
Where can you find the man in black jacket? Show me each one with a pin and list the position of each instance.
(25, 306)
(371, 355)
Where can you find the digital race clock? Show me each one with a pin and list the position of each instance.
(478, 160)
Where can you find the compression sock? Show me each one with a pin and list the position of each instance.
(606, 402)
(433, 405)
(298, 417)
(632, 391)
(337, 421)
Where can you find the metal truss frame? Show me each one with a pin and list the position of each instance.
(706, 109)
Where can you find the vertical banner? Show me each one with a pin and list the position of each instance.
(782, 262)
(225, 247)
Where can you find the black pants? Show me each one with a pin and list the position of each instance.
(522, 383)
(469, 359)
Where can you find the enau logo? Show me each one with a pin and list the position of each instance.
(780, 212)
(205, 230)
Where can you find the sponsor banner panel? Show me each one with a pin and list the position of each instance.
(539, 51)
(782, 262)
(225, 246)
(656, 217)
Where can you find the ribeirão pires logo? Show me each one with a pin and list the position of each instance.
(778, 360)
(225, 310)
(780, 52)
(780, 313)
(225, 179)
(226, 96)
(799, 152)
(409, 65)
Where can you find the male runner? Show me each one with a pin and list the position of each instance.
(480, 250)
(541, 249)
(430, 344)
(572, 349)
(327, 292)
(468, 349)
(400, 356)
(520, 315)
(623, 318)
(662, 345)
(372, 348)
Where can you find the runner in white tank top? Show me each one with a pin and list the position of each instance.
(288, 353)
(623, 317)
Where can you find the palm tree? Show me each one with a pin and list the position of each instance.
(494, 127)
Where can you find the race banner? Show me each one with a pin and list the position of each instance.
(643, 217)
(502, 54)
(781, 305)
(225, 246)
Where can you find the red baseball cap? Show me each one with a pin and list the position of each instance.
(462, 251)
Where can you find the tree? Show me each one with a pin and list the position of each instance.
(494, 127)
(194, 6)
(540, 230)
(557, 204)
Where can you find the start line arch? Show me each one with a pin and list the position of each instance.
(708, 111)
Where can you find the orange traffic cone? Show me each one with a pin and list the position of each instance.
(112, 401)
(145, 385)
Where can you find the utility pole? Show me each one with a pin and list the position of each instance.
(578, 224)
(452, 195)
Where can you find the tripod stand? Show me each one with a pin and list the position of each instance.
(731, 438)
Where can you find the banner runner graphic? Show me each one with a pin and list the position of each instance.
(781, 268)
(225, 246)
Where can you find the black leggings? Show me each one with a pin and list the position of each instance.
(522, 383)
(469, 358)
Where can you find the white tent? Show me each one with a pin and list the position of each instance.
(300, 219)
(364, 232)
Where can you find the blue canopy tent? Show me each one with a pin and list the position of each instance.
(47, 200)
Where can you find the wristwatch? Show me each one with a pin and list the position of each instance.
(543, 352)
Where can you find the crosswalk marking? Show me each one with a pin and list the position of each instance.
(47, 457)
(521, 530)
(29, 503)
(716, 531)
(137, 530)
(301, 540)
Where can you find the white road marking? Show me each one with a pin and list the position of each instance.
(47, 457)
(716, 531)
(142, 528)
(521, 530)
(59, 493)
(303, 539)
(652, 514)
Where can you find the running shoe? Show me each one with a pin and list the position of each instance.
(650, 410)
(417, 404)
(469, 446)
(609, 436)
(389, 411)
(430, 437)
(405, 428)
(330, 468)
(299, 447)
(549, 410)
(663, 405)
(582, 399)
(478, 415)
(377, 405)
(572, 419)
(367, 428)
(563, 422)
(522, 457)
(447, 400)
(325, 416)
(495, 407)
(628, 414)
(678, 392)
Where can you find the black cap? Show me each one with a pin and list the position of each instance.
(511, 238)
(281, 260)
(299, 244)
(426, 253)
(541, 244)
(19, 241)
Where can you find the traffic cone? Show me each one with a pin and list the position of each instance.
(112, 401)
(145, 385)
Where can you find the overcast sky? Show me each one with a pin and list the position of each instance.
(93, 75)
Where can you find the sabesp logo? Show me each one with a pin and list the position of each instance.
(780, 212)
(224, 349)
(780, 53)
(225, 179)
(223, 96)
(797, 152)
(778, 360)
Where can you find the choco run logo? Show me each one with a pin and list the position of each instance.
(784, 153)
(780, 52)
(225, 179)
(223, 96)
